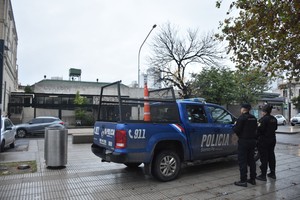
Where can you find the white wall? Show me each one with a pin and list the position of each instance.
(8, 33)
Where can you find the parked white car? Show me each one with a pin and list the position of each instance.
(280, 119)
(8, 133)
(295, 120)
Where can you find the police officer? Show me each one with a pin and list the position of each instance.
(266, 143)
(245, 128)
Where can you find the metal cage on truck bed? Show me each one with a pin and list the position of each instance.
(160, 106)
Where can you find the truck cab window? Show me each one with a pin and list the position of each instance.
(196, 114)
(220, 115)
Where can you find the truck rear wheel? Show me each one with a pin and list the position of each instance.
(167, 165)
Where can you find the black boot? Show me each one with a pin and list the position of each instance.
(251, 181)
(272, 175)
(240, 183)
(261, 178)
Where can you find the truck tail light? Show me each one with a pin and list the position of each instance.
(120, 139)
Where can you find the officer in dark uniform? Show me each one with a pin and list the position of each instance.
(245, 128)
(266, 143)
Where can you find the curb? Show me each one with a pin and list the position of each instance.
(291, 133)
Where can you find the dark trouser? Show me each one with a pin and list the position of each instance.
(266, 148)
(246, 157)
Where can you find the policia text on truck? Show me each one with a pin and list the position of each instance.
(173, 133)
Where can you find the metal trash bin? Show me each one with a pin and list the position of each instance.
(56, 146)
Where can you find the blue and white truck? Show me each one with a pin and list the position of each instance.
(178, 131)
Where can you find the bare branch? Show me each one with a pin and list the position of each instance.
(172, 54)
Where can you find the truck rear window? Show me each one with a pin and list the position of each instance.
(135, 112)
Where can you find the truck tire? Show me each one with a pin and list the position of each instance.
(166, 166)
(132, 165)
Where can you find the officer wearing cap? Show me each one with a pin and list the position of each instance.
(245, 128)
(266, 142)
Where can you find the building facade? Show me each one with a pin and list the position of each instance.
(289, 90)
(56, 98)
(8, 54)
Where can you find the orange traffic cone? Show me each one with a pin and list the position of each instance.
(147, 116)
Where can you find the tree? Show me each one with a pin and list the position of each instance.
(28, 89)
(80, 112)
(216, 85)
(264, 36)
(79, 100)
(172, 54)
(296, 102)
(250, 85)
(224, 86)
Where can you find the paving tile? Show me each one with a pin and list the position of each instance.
(152, 196)
(233, 196)
(184, 197)
(8, 194)
(32, 197)
(31, 190)
(188, 189)
(202, 195)
(172, 192)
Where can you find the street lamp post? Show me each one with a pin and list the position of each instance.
(140, 53)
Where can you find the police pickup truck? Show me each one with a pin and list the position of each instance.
(173, 133)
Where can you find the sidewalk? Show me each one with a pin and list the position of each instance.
(80, 130)
(288, 129)
(86, 177)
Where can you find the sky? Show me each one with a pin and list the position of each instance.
(100, 37)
